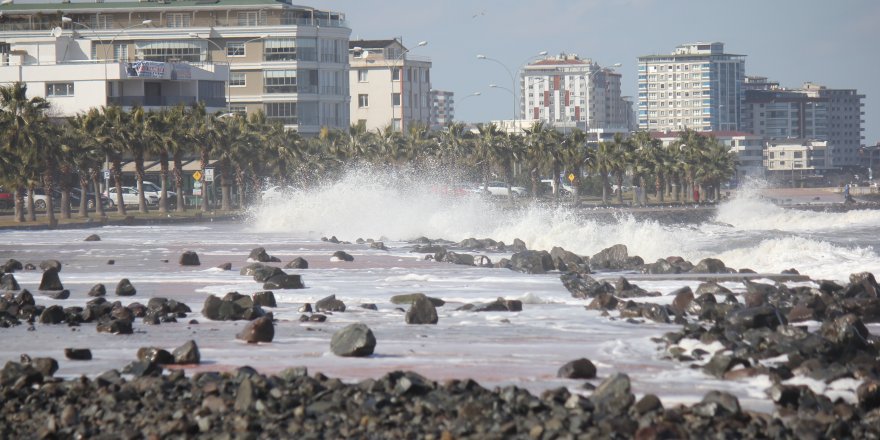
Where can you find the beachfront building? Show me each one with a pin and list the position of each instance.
(845, 131)
(239, 55)
(783, 114)
(389, 85)
(698, 86)
(796, 160)
(442, 108)
(567, 92)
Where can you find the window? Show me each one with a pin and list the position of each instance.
(279, 81)
(165, 51)
(237, 79)
(101, 21)
(120, 52)
(251, 18)
(177, 20)
(284, 112)
(280, 49)
(363, 101)
(238, 109)
(59, 89)
(235, 48)
(395, 99)
(395, 74)
(362, 75)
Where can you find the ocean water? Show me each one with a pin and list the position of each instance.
(523, 348)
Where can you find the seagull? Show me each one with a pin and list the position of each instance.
(483, 12)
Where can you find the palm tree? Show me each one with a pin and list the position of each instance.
(110, 130)
(24, 124)
(719, 165)
(138, 127)
(537, 155)
(604, 164)
(576, 157)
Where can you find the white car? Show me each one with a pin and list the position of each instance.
(497, 188)
(153, 190)
(564, 189)
(130, 196)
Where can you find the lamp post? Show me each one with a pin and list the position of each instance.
(512, 77)
(400, 57)
(106, 50)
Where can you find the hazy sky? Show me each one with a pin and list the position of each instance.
(834, 43)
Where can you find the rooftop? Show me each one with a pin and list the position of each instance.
(144, 5)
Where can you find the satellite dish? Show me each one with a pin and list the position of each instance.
(57, 32)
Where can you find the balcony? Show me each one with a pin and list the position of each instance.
(162, 101)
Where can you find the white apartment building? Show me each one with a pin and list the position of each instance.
(442, 108)
(566, 91)
(698, 87)
(749, 149)
(389, 85)
(796, 158)
(244, 55)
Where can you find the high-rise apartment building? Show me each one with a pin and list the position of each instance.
(698, 87)
(782, 114)
(244, 55)
(845, 119)
(388, 85)
(566, 91)
(442, 108)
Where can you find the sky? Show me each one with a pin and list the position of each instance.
(832, 43)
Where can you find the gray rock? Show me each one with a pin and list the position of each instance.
(712, 288)
(329, 304)
(422, 311)
(342, 256)
(581, 368)
(8, 282)
(355, 340)
(52, 315)
(225, 266)
(264, 272)
(868, 394)
(259, 254)
(454, 258)
(683, 299)
(584, 286)
(142, 369)
(78, 354)
(565, 261)
(718, 404)
(613, 395)
(614, 258)
(284, 281)
(58, 294)
(115, 326)
(93, 237)
(187, 354)
(155, 355)
(190, 258)
(722, 363)
(98, 290)
(265, 299)
(51, 280)
(259, 330)
(710, 265)
(55, 264)
(125, 288)
(532, 262)
(297, 263)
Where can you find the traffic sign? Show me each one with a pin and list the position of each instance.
(106, 174)
(197, 175)
(209, 174)
(571, 177)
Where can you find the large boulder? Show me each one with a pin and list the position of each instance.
(615, 258)
(409, 298)
(52, 315)
(566, 261)
(584, 286)
(232, 307)
(329, 304)
(51, 280)
(265, 299)
(710, 265)
(93, 237)
(259, 254)
(297, 263)
(454, 258)
(8, 282)
(577, 369)
(259, 330)
(45, 264)
(98, 290)
(613, 395)
(355, 340)
(190, 258)
(262, 272)
(125, 288)
(11, 265)
(532, 262)
(341, 256)
(422, 311)
(188, 353)
(284, 281)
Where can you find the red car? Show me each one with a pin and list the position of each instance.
(6, 199)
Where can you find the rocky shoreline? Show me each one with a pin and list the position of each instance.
(771, 330)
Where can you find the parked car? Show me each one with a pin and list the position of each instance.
(6, 199)
(151, 189)
(130, 196)
(500, 189)
(564, 189)
(41, 199)
(76, 196)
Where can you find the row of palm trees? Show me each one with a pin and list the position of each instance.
(251, 151)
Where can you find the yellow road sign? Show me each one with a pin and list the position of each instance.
(197, 175)
(571, 177)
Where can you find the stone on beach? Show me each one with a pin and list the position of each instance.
(125, 288)
(259, 330)
(297, 263)
(329, 304)
(341, 256)
(259, 255)
(51, 280)
(355, 340)
(189, 258)
(581, 368)
(422, 311)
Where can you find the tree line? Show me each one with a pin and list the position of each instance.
(253, 151)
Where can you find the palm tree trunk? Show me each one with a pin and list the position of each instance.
(604, 188)
(240, 181)
(83, 209)
(225, 184)
(49, 186)
(96, 181)
(139, 174)
(117, 180)
(163, 173)
(658, 187)
(620, 188)
(178, 182)
(204, 157)
(32, 210)
(19, 204)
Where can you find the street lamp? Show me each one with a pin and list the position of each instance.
(513, 87)
(228, 68)
(400, 57)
